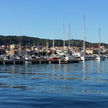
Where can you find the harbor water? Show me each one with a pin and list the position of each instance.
(76, 85)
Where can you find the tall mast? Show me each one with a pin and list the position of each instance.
(53, 42)
(84, 36)
(20, 42)
(26, 48)
(99, 41)
(47, 45)
(69, 35)
(63, 34)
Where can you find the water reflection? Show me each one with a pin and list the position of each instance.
(99, 66)
(67, 79)
(84, 71)
(46, 83)
(84, 78)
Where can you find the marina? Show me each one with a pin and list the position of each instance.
(53, 54)
(52, 59)
(39, 61)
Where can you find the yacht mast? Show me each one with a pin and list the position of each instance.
(99, 41)
(69, 35)
(53, 41)
(47, 44)
(20, 42)
(63, 34)
(26, 49)
(84, 36)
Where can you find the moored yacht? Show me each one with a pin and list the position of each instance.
(100, 57)
(83, 58)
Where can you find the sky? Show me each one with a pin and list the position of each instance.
(43, 18)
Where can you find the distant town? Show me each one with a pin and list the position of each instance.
(38, 50)
(32, 45)
(30, 49)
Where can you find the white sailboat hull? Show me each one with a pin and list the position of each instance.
(84, 58)
(100, 58)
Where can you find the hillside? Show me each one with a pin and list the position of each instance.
(6, 40)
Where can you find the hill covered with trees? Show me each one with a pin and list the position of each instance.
(27, 40)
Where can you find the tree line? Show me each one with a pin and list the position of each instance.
(28, 40)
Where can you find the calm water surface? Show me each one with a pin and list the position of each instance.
(79, 85)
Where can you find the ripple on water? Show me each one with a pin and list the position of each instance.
(78, 85)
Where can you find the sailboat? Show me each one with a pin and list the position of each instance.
(84, 57)
(60, 55)
(54, 57)
(70, 56)
(100, 57)
(67, 56)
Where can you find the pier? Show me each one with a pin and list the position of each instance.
(39, 61)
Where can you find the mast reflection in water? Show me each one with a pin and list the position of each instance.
(78, 85)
